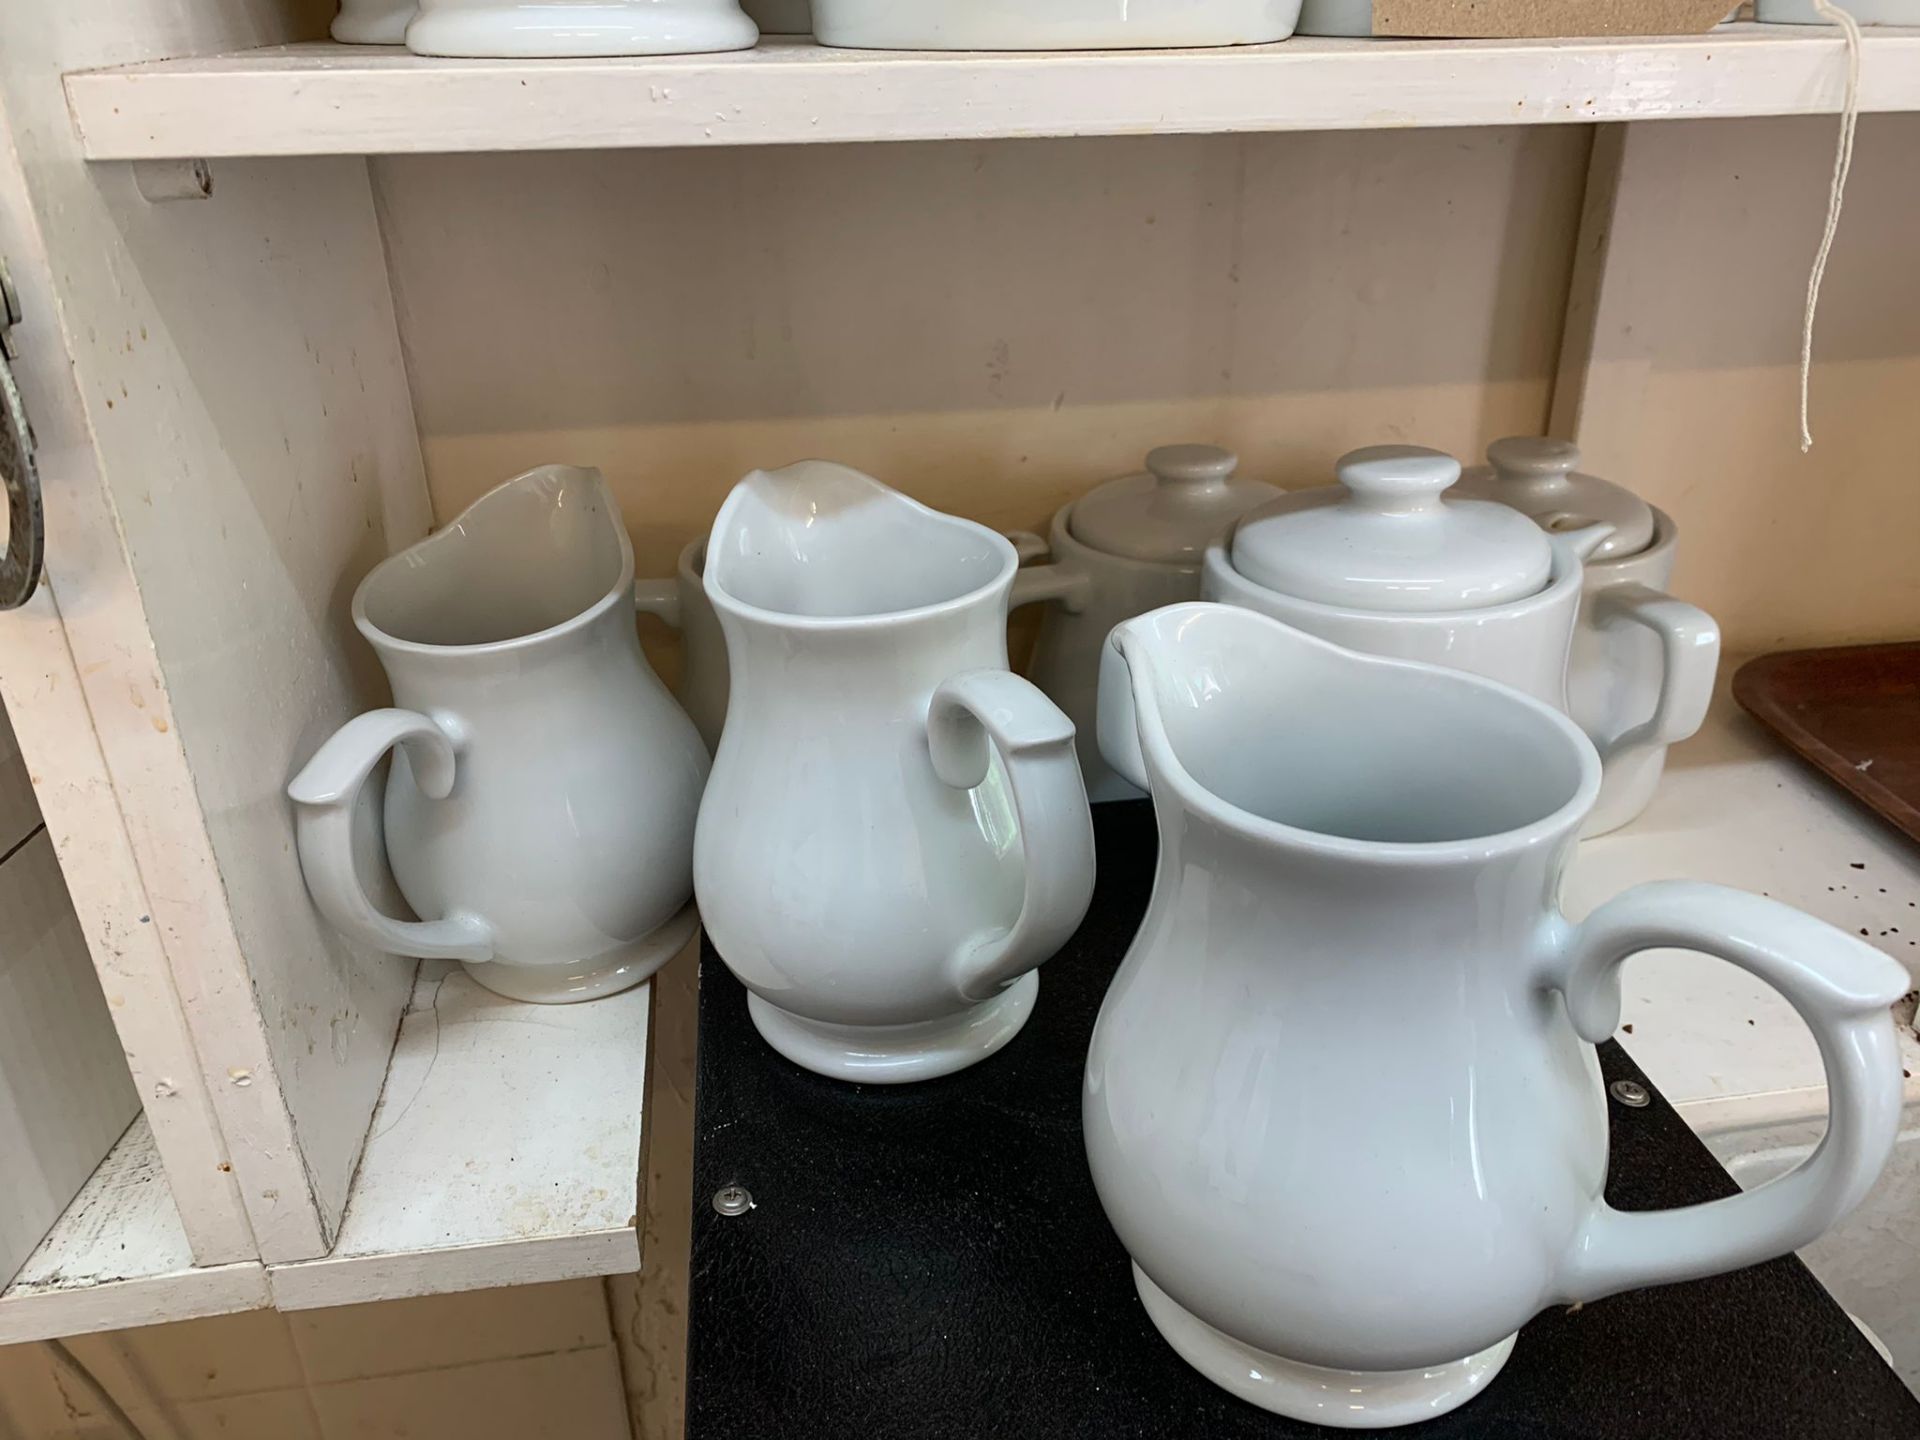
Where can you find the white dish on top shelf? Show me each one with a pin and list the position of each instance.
(1051, 24)
(1867, 12)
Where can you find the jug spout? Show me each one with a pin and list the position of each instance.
(1268, 731)
(530, 555)
(818, 540)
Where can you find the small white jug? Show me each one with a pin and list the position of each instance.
(895, 833)
(544, 785)
(1342, 1104)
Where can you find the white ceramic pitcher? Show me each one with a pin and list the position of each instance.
(544, 785)
(895, 833)
(1342, 1104)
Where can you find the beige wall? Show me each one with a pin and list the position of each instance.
(994, 327)
(1694, 397)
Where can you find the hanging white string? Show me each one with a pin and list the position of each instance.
(1836, 196)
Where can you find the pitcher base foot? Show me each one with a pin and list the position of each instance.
(1346, 1399)
(897, 1054)
(608, 974)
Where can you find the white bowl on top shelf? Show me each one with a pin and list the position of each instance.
(1867, 12)
(576, 29)
(1051, 24)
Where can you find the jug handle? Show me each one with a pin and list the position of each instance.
(979, 709)
(1028, 545)
(1690, 658)
(1842, 989)
(1038, 584)
(324, 794)
(658, 597)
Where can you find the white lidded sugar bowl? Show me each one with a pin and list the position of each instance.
(557, 29)
(541, 799)
(895, 834)
(1643, 663)
(1384, 562)
(1342, 1104)
(1122, 549)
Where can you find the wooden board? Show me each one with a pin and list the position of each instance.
(19, 810)
(1853, 714)
(65, 1094)
(40, 678)
(332, 99)
(1511, 19)
(505, 1149)
(119, 1258)
(237, 450)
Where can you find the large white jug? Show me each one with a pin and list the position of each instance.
(1342, 1104)
(895, 833)
(544, 784)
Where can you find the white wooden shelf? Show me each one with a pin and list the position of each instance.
(506, 1150)
(333, 99)
(118, 1258)
(1735, 808)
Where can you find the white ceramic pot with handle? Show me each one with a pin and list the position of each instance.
(1643, 663)
(1129, 546)
(541, 799)
(1385, 563)
(895, 834)
(575, 29)
(1342, 1104)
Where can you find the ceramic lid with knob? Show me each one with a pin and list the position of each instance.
(1540, 478)
(1386, 538)
(1186, 498)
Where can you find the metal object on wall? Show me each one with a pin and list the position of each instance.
(26, 525)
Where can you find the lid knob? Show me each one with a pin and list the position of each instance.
(1388, 539)
(1168, 513)
(1542, 478)
(1521, 458)
(1191, 464)
(1397, 479)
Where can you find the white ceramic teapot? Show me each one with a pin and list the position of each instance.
(1129, 546)
(1342, 1105)
(1642, 664)
(1385, 563)
(895, 833)
(542, 795)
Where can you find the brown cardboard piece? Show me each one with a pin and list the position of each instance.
(1508, 19)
